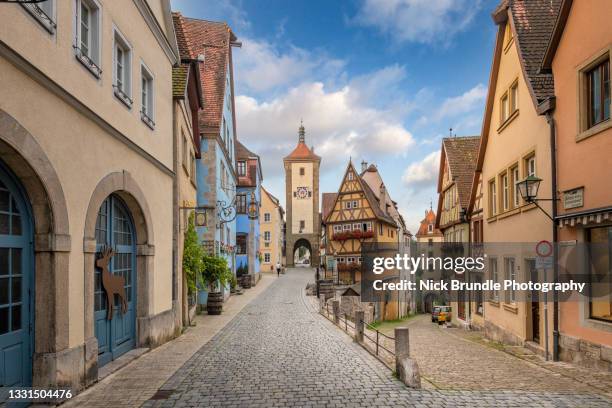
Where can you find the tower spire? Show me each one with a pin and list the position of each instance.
(301, 132)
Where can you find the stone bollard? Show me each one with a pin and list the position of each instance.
(336, 310)
(407, 368)
(359, 325)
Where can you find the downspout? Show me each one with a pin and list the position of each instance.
(175, 218)
(553, 168)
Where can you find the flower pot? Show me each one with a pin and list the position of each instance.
(214, 304)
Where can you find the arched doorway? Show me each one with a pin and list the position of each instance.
(116, 331)
(16, 284)
(302, 253)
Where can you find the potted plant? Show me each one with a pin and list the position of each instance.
(215, 275)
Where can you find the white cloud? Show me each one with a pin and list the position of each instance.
(424, 173)
(463, 103)
(261, 66)
(337, 124)
(421, 21)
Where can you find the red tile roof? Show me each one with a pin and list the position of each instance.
(302, 151)
(329, 199)
(461, 154)
(213, 40)
(430, 218)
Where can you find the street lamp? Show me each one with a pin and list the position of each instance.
(528, 189)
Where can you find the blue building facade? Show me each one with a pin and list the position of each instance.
(216, 169)
(248, 200)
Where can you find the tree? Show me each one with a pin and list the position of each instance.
(193, 255)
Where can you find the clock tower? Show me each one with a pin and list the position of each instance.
(303, 231)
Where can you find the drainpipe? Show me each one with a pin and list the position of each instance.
(553, 167)
(175, 217)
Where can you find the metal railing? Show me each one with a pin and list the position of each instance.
(377, 343)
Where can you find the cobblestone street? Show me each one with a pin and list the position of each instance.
(279, 352)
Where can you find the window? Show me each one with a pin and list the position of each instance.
(146, 111)
(122, 58)
(185, 152)
(504, 108)
(510, 269)
(346, 227)
(530, 165)
(350, 176)
(366, 226)
(494, 276)
(598, 93)
(241, 203)
(87, 35)
(430, 228)
(514, 172)
(302, 171)
(337, 228)
(241, 168)
(267, 217)
(380, 229)
(492, 198)
(600, 301)
(267, 236)
(505, 191)
(347, 205)
(514, 97)
(302, 225)
(192, 162)
(355, 203)
(266, 257)
(356, 227)
(44, 13)
(241, 244)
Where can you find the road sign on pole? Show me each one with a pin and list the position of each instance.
(544, 250)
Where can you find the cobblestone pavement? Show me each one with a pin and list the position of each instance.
(279, 352)
(450, 359)
(137, 382)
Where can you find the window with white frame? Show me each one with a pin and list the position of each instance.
(267, 217)
(267, 236)
(346, 227)
(44, 13)
(510, 269)
(515, 192)
(146, 96)
(530, 165)
(505, 191)
(356, 227)
(494, 276)
(87, 41)
(350, 259)
(337, 228)
(122, 63)
(266, 257)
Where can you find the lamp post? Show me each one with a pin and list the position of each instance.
(528, 189)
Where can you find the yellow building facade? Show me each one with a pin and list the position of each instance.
(270, 231)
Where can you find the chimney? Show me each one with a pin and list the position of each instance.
(364, 165)
(383, 198)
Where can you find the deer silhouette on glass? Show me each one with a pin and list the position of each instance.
(113, 284)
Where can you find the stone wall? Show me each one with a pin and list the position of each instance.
(585, 353)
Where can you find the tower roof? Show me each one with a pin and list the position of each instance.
(301, 151)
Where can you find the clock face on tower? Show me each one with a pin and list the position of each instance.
(302, 193)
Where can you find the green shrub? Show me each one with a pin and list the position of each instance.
(215, 272)
(192, 256)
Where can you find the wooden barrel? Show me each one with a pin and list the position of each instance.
(245, 281)
(214, 304)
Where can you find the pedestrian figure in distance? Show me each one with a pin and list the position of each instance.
(278, 268)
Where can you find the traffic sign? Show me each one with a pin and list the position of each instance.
(544, 250)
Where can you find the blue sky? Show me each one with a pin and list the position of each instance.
(374, 80)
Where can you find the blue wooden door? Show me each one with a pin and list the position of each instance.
(16, 285)
(114, 228)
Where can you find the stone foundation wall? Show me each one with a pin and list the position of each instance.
(154, 331)
(501, 335)
(584, 353)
